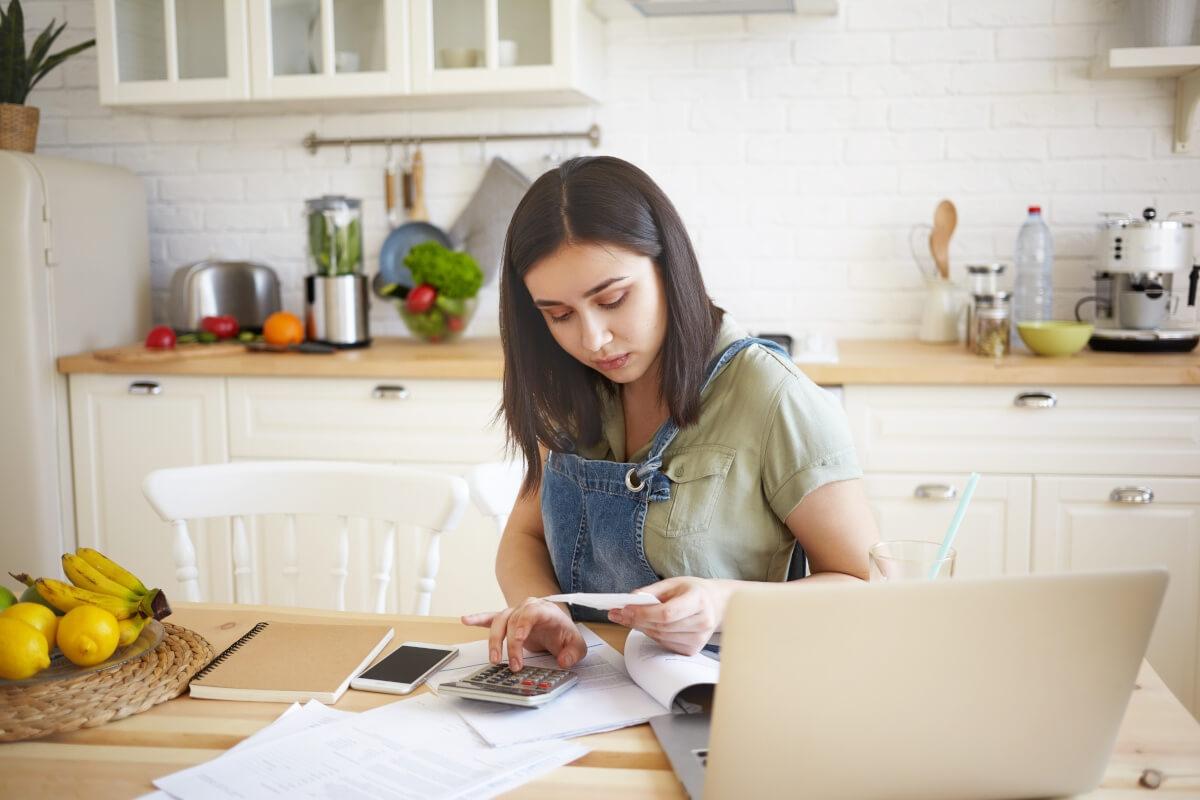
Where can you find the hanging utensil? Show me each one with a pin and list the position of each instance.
(945, 218)
(419, 212)
(390, 174)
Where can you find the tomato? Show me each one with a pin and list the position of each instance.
(420, 298)
(455, 324)
(161, 337)
(225, 326)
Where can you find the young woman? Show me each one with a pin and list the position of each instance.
(666, 451)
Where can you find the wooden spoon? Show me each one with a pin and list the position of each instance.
(945, 217)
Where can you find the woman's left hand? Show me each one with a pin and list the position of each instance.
(691, 609)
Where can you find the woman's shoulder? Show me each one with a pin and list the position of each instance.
(761, 372)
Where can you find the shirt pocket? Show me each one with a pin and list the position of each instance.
(697, 476)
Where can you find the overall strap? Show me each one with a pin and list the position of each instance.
(666, 434)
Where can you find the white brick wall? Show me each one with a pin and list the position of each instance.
(800, 151)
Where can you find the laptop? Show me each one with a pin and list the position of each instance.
(969, 689)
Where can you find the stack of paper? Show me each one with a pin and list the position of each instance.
(417, 748)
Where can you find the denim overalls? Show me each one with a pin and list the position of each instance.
(594, 511)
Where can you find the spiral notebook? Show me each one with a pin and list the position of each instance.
(286, 662)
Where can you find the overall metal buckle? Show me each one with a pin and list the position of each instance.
(629, 481)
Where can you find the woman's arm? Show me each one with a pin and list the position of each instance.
(836, 528)
(833, 524)
(525, 574)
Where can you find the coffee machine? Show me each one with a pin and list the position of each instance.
(1137, 299)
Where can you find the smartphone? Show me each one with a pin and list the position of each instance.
(405, 668)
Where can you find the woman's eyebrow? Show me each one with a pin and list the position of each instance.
(600, 287)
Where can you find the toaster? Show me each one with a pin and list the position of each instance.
(244, 289)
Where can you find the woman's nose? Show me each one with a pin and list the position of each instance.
(595, 334)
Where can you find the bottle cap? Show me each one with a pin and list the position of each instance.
(1035, 209)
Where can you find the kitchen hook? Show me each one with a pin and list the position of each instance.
(347, 151)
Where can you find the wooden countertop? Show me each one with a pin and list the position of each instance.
(884, 361)
(119, 759)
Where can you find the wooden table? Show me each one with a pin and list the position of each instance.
(121, 758)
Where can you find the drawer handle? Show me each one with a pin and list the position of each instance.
(1136, 495)
(1035, 400)
(389, 392)
(935, 491)
(145, 387)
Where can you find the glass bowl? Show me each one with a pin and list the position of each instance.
(445, 320)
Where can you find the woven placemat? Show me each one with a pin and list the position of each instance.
(28, 712)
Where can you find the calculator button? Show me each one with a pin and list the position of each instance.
(543, 685)
(527, 683)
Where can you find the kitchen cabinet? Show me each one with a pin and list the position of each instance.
(124, 427)
(1094, 523)
(993, 540)
(207, 55)
(171, 51)
(1048, 455)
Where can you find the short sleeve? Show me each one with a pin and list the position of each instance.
(808, 444)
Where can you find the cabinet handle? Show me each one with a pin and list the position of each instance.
(1136, 495)
(1035, 400)
(145, 387)
(935, 491)
(389, 392)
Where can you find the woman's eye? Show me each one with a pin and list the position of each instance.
(614, 303)
(560, 317)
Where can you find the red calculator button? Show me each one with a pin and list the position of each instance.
(527, 683)
(543, 685)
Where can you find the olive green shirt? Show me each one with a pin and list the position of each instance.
(766, 437)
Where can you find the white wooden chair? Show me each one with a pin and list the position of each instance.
(494, 489)
(392, 494)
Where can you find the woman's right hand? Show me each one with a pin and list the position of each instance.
(536, 624)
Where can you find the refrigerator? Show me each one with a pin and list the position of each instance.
(75, 263)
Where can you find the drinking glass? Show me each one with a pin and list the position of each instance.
(913, 560)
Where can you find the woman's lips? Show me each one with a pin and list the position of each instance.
(612, 363)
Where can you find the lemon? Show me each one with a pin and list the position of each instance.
(23, 651)
(88, 635)
(36, 616)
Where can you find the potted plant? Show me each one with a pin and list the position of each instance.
(20, 72)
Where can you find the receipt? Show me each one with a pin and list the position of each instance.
(603, 601)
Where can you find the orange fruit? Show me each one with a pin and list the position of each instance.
(283, 328)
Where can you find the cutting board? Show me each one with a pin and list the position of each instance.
(139, 354)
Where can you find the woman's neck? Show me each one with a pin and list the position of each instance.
(644, 409)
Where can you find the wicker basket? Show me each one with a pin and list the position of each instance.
(18, 127)
(29, 712)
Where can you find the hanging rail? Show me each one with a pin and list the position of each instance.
(313, 143)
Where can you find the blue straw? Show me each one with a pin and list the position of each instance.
(959, 512)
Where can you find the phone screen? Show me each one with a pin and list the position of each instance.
(405, 665)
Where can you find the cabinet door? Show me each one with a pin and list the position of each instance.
(124, 427)
(1079, 526)
(171, 51)
(464, 46)
(994, 536)
(307, 49)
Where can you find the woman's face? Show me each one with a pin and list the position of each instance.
(603, 305)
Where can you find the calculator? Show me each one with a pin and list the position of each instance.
(496, 683)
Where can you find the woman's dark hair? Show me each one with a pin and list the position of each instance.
(548, 393)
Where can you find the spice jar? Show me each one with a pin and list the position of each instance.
(989, 330)
(985, 278)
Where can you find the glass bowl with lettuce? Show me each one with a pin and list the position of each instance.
(442, 300)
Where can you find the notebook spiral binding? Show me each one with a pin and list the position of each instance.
(228, 651)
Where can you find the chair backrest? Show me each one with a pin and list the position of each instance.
(391, 494)
(494, 488)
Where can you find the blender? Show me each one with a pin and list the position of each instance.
(336, 300)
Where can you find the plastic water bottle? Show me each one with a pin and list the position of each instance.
(1033, 287)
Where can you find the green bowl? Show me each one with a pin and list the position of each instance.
(1055, 338)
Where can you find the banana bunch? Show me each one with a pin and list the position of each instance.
(97, 580)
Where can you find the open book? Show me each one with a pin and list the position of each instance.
(614, 691)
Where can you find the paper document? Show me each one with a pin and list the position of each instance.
(604, 602)
(664, 674)
(418, 748)
(604, 699)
